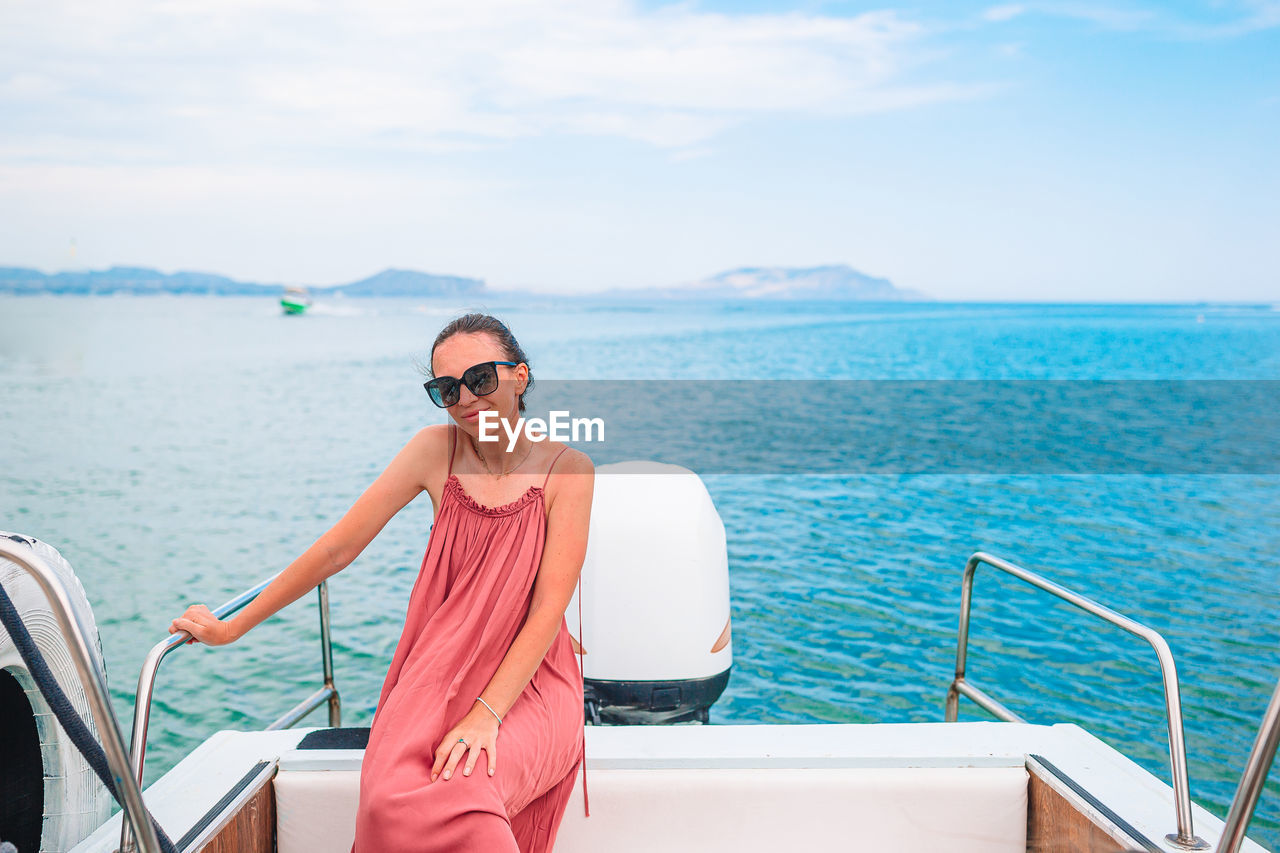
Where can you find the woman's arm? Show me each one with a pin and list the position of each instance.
(563, 552)
(400, 483)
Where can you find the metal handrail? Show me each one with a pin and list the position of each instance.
(147, 679)
(94, 681)
(1253, 778)
(1185, 837)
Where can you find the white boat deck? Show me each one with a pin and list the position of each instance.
(869, 785)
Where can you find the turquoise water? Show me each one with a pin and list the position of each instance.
(180, 449)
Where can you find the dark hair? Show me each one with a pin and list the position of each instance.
(484, 323)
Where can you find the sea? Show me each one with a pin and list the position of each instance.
(179, 449)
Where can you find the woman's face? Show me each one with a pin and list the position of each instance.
(457, 353)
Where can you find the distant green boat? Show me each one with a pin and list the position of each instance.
(295, 300)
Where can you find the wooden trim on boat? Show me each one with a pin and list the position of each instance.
(1062, 817)
(247, 813)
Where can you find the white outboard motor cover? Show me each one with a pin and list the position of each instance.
(655, 581)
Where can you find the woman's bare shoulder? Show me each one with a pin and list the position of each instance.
(572, 473)
(430, 446)
(578, 462)
(431, 440)
(569, 460)
(438, 433)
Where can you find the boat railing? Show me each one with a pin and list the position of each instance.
(1253, 778)
(137, 824)
(1185, 836)
(328, 692)
(94, 681)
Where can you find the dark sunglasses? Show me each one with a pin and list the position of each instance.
(481, 378)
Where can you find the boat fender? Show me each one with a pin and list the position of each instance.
(53, 799)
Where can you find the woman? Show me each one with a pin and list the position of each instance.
(485, 657)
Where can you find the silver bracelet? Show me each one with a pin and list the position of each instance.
(495, 713)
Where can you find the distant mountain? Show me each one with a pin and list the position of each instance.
(833, 281)
(141, 280)
(410, 283)
(118, 280)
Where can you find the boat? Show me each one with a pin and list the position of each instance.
(661, 777)
(295, 300)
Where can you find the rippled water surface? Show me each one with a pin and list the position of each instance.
(180, 449)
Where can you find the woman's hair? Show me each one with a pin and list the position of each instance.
(487, 324)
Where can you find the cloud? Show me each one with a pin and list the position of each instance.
(1224, 19)
(1111, 17)
(232, 79)
(1004, 13)
(1257, 15)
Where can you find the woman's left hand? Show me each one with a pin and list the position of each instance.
(480, 731)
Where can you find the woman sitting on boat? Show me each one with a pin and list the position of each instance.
(485, 656)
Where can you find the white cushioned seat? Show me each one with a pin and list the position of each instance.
(903, 809)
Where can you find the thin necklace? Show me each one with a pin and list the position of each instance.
(488, 470)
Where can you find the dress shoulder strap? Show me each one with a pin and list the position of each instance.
(582, 674)
(453, 431)
(553, 464)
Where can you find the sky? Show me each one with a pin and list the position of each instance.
(1055, 151)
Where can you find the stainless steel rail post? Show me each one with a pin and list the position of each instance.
(328, 691)
(1185, 837)
(150, 666)
(95, 688)
(1254, 777)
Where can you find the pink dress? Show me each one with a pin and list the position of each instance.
(468, 604)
